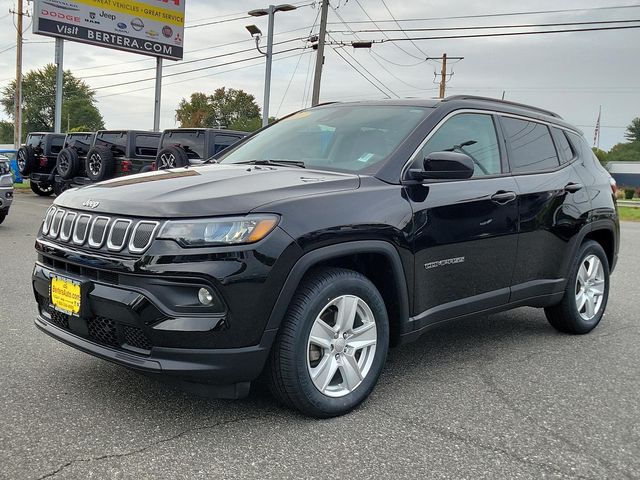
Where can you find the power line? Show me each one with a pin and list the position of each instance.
(487, 35)
(483, 27)
(193, 70)
(400, 27)
(216, 22)
(508, 14)
(360, 73)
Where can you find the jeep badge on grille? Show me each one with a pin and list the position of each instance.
(91, 204)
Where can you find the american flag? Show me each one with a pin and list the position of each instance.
(596, 136)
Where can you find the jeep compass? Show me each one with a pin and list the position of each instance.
(302, 253)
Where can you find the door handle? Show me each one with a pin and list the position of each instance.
(573, 187)
(502, 198)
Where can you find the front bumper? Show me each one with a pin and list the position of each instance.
(6, 198)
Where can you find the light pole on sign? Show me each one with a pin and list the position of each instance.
(257, 34)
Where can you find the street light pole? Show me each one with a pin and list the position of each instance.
(256, 33)
(267, 75)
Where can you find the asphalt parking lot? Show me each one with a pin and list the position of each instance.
(503, 396)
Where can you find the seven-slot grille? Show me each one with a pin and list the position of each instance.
(99, 231)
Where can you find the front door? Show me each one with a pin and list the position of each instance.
(465, 235)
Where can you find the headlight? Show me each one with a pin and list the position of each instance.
(219, 231)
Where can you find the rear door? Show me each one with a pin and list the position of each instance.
(465, 231)
(552, 205)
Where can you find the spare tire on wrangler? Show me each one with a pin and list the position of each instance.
(172, 157)
(26, 160)
(100, 164)
(68, 163)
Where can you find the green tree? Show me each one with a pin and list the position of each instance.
(633, 131)
(6, 132)
(624, 152)
(38, 108)
(229, 108)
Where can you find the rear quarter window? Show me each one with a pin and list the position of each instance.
(117, 142)
(531, 148)
(147, 145)
(222, 142)
(57, 143)
(191, 141)
(566, 151)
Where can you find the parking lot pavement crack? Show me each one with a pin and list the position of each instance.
(149, 446)
(489, 381)
(471, 441)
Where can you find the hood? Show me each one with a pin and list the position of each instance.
(209, 190)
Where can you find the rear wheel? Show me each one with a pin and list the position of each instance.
(586, 294)
(41, 189)
(68, 163)
(332, 345)
(172, 157)
(3, 215)
(100, 164)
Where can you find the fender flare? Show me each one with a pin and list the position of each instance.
(598, 225)
(309, 260)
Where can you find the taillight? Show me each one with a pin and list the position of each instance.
(43, 162)
(126, 166)
(614, 185)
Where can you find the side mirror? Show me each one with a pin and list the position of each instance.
(445, 166)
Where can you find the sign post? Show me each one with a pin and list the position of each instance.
(59, 83)
(147, 27)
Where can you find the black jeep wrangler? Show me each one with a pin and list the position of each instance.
(116, 153)
(72, 160)
(180, 147)
(304, 252)
(37, 160)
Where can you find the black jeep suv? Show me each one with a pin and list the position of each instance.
(117, 153)
(37, 161)
(308, 249)
(180, 147)
(70, 165)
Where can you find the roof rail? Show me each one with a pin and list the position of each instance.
(506, 102)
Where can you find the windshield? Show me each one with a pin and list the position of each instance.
(341, 137)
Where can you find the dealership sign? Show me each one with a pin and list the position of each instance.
(149, 27)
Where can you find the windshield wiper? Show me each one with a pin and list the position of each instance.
(276, 163)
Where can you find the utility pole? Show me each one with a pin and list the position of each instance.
(17, 113)
(324, 14)
(444, 73)
(59, 84)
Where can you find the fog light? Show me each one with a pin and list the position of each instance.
(205, 297)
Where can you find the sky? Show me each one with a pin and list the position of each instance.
(573, 74)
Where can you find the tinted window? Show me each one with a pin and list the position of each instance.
(117, 142)
(34, 141)
(469, 133)
(147, 145)
(531, 146)
(82, 143)
(336, 137)
(564, 147)
(56, 144)
(191, 142)
(224, 141)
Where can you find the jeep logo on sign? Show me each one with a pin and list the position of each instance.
(91, 204)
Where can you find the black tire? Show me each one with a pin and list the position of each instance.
(68, 163)
(146, 168)
(3, 215)
(42, 189)
(565, 316)
(26, 159)
(172, 157)
(100, 164)
(60, 187)
(289, 366)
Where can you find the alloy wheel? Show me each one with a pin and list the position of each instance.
(22, 161)
(95, 164)
(341, 346)
(590, 287)
(167, 160)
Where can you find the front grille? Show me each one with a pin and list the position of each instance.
(136, 338)
(102, 330)
(97, 232)
(105, 276)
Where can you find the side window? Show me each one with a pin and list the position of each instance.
(564, 147)
(531, 146)
(56, 145)
(473, 134)
(147, 145)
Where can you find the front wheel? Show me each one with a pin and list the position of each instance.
(332, 345)
(42, 189)
(586, 294)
